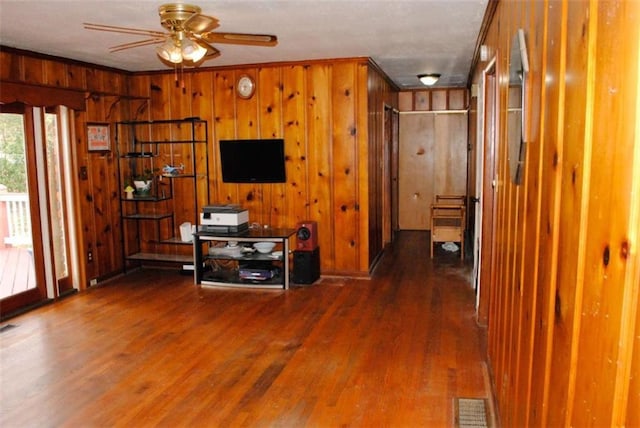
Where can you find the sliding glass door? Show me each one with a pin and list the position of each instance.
(56, 201)
(34, 254)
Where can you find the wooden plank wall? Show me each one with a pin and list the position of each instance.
(320, 108)
(563, 327)
(432, 151)
(97, 206)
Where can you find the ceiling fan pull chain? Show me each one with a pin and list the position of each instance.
(184, 90)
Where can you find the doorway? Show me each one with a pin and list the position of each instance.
(34, 232)
(390, 174)
(486, 173)
(432, 161)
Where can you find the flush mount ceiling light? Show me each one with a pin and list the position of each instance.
(428, 79)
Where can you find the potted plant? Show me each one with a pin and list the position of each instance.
(142, 181)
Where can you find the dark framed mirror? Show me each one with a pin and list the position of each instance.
(518, 70)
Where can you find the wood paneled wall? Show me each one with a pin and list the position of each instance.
(328, 112)
(322, 109)
(96, 196)
(441, 99)
(432, 151)
(563, 327)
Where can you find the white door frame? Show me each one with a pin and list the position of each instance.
(480, 143)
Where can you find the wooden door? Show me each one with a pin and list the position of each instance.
(432, 160)
(486, 168)
(389, 175)
(415, 170)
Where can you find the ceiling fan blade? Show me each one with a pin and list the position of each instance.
(200, 23)
(123, 30)
(137, 44)
(211, 51)
(241, 39)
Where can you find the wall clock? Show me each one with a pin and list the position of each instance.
(245, 87)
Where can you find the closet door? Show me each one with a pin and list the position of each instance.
(432, 161)
(415, 170)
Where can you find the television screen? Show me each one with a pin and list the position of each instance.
(253, 161)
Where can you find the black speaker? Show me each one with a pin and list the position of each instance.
(306, 266)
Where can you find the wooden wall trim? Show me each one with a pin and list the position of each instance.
(376, 68)
(219, 68)
(465, 111)
(434, 99)
(489, 14)
(58, 59)
(41, 96)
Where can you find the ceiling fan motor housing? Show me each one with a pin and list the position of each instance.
(174, 15)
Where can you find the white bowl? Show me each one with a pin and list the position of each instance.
(264, 247)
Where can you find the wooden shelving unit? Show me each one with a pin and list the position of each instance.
(176, 154)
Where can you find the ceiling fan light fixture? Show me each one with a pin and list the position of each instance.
(188, 38)
(164, 49)
(192, 51)
(170, 51)
(428, 79)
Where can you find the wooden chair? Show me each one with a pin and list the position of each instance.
(448, 220)
(450, 199)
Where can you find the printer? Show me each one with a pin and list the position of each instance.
(224, 219)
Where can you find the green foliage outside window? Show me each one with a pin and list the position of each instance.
(12, 157)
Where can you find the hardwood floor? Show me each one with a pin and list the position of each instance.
(152, 349)
(16, 271)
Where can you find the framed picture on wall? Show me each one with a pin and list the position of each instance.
(98, 138)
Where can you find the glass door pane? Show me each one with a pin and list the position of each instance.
(17, 272)
(56, 198)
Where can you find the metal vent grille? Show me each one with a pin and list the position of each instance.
(471, 412)
(6, 327)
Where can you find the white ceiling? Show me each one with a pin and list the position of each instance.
(404, 37)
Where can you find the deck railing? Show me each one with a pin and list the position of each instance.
(15, 220)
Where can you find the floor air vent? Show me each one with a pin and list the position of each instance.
(6, 327)
(471, 412)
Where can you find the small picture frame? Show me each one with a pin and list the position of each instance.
(98, 137)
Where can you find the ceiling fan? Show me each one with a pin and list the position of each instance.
(189, 36)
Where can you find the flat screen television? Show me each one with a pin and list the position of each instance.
(253, 161)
